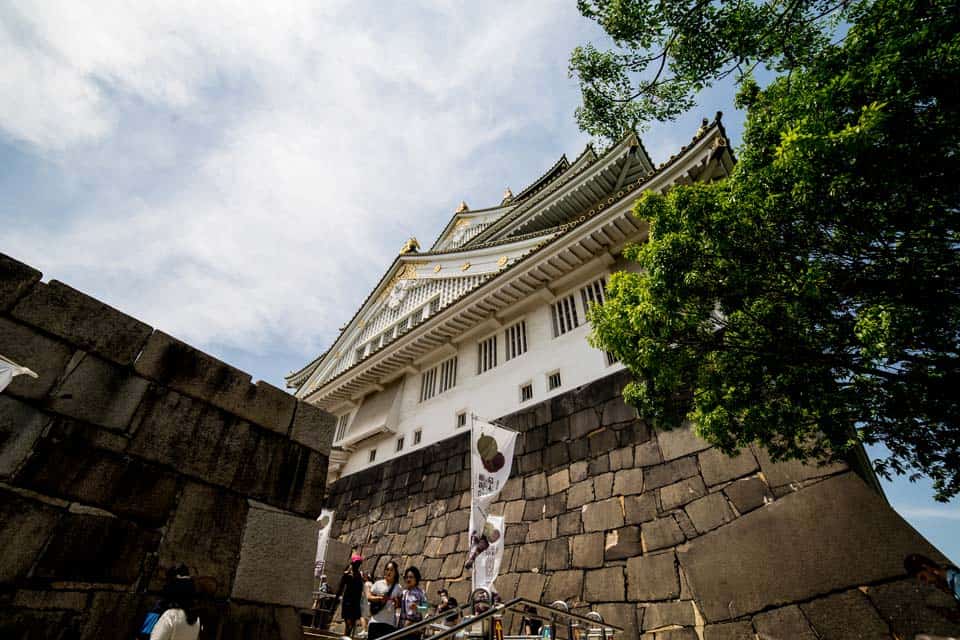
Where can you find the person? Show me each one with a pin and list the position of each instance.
(413, 600)
(179, 620)
(384, 595)
(365, 604)
(530, 625)
(324, 587)
(351, 591)
(447, 604)
(942, 577)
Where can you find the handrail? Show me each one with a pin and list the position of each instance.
(496, 608)
(417, 626)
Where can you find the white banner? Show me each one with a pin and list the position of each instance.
(323, 536)
(491, 458)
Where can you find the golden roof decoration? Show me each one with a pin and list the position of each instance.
(507, 196)
(463, 207)
(410, 246)
(464, 266)
(462, 222)
(502, 261)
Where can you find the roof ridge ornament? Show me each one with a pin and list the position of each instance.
(410, 246)
(463, 207)
(507, 196)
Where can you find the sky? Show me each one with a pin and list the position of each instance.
(240, 174)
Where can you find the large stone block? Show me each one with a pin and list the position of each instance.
(740, 568)
(530, 556)
(669, 472)
(680, 493)
(628, 482)
(27, 347)
(531, 586)
(604, 585)
(115, 615)
(845, 616)
(602, 442)
(206, 533)
(83, 321)
(569, 523)
(653, 577)
(641, 508)
(779, 474)
(616, 410)
(20, 427)
(16, 278)
(26, 624)
(92, 548)
(786, 622)
(191, 371)
(717, 467)
(542, 530)
(99, 392)
(709, 512)
(666, 614)
(661, 533)
(583, 422)
(580, 494)
(535, 486)
(622, 543)
(911, 608)
(625, 616)
(603, 515)
(314, 428)
(588, 550)
(564, 585)
(559, 481)
(25, 527)
(603, 486)
(68, 465)
(680, 442)
(276, 558)
(748, 493)
(741, 630)
(557, 554)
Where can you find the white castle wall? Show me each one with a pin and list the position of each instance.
(495, 392)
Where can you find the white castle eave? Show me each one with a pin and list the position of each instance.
(601, 232)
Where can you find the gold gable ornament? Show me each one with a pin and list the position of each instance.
(507, 196)
(411, 246)
(463, 207)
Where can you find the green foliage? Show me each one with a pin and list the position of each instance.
(811, 301)
(667, 50)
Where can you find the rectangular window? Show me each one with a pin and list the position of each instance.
(416, 317)
(526, 392)
(373, 455)
(359, 354)
(342, 426)
(461, 419)
(515, 338)
(402, 325)
(553, 380)
(593, 293)
(487, 354)
(448, 374)
(434, 306)
(564, 312)
(428, 384)
(417, 436)
(400, 443)
(611, 359)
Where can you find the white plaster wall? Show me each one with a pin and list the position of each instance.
(495, 392)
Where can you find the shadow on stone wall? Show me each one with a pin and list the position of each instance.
(657, 531)
(133, 452)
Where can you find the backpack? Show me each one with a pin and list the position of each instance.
(149, 622)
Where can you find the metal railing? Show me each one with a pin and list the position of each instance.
(596, 628)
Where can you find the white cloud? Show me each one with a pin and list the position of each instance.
(248, 170)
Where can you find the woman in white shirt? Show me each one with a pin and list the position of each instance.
(383, 597)
(175, 624)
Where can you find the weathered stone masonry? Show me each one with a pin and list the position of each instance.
(657, 531)
(133, 452)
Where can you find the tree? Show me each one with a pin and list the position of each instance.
(667, 50)
(811, 301)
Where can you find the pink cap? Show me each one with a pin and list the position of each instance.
(356, 558)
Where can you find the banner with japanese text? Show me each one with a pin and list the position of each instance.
(491, 459)
(323, 536)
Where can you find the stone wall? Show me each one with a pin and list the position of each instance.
(133, 452)
(658, 532)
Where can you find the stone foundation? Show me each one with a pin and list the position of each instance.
(660, 533)
(133, 452)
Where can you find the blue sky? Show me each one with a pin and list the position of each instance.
(240, 175)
